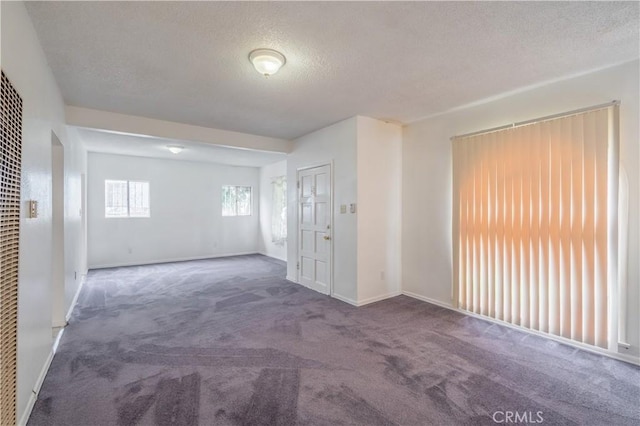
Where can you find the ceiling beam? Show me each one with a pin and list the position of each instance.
(134, 125)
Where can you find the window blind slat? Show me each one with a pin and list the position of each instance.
(517, 229)
(508, 222)
(534, 244)
(463, 184)
(476, 234)
(525, 258)
(577, 195)
(565, 229)
(484, 229)
(493, 234)
(601, 294)
(544, 267)
(456, 231)
(500, 218)
(554, 230)
(588, 320)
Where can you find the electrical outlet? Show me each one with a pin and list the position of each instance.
(343, 208)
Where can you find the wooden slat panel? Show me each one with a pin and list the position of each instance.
(9, 248)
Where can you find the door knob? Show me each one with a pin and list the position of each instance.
(326, 237)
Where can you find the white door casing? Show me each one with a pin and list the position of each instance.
(314, 228)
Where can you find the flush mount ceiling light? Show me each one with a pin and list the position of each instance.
(176, 149)
(267, 61)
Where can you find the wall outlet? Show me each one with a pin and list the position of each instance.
(628, 349)
(343, 208)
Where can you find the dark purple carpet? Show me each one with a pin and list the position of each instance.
(230, 342)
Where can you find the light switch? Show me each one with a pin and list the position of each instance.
(343, 208)
(32, 206)
(352, 208)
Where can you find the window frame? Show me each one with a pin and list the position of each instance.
(236, 209)
(128, 199)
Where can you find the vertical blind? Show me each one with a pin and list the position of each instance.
(535, 225)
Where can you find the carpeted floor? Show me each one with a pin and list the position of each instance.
(230, 342)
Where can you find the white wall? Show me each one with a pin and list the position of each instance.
(366, 155)
(337, 144)
(186, 220)
(379, 158)
(75, 232)
(265, 245)
(57, 218)
(25, 65)
(427, 186)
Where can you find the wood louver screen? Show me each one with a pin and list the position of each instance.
(9, 237)
(534, 225)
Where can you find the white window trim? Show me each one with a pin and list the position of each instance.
(236, 201)
(128, 216)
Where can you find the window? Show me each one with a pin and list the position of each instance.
(534, 216)
(124, 198)
(236, 201)
(279, 211)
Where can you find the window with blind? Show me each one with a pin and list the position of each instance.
(535, 225)
(236, 200)
(124, 198)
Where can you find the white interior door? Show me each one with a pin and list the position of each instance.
(314, 228)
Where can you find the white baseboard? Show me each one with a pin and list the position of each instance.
(59, 324)
(589, 348)
(75, 297)
(378, 298)
(292, 279)
(272, 256)
(24, 418)
(428, 300)
(180, 259)
(619, 356)
(344, 299)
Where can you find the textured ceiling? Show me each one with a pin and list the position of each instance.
(187, 62)
(112, 143)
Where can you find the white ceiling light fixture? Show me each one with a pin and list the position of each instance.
(267, 61)
(175, 149)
